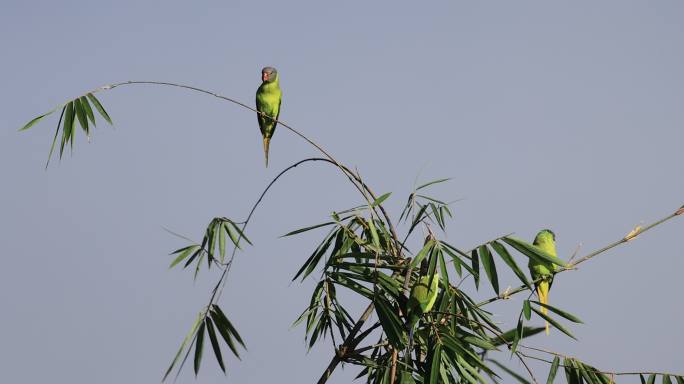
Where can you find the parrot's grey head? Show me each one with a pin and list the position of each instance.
(269, 74)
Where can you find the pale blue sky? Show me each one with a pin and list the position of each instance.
(563, 114)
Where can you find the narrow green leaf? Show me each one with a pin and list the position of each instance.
(479, 342)
(390, 322)
(54, 140)
(221, 233)
(381, 199)
(223, 331)
(651, 379)
(432, 182)
(509, 335)
(35, 120)
(532, 251)
(553, 370)
(436, 360)
(519, 329)
(422, 253)
(666, 379)
(89, 111)
(511, 372)
(81, 115)
(215, 344)
(305, 229)
(475, 262)
(508, 259)
(374, 232)
(240, 232)
(680, 379)
(183, 344)
(489, 267)
(99, 107)
(183, 253)
(553, 322)
(228, 324)
(526, 310)
(560, 312)
(67, 127)
(641, 377)
(199, 345)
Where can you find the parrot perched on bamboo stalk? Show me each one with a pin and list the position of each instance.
(546, 241)
(422, 298)
(268, 98)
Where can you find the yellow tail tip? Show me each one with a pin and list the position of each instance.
(547, 328)
(266, 144)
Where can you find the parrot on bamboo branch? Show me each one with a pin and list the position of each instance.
(540, 269)
(268, 99)
(422, 299)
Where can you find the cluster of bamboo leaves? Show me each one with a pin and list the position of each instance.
(77, 110)
(452, 341)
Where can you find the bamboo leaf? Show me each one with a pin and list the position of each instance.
(508, 259)
(35, 120)
(509, 336)
(666, 379)
(381, 199)
(532, 251)
(489, 267)
(54, 140)
(223, 331)
(183, 253)
(225, 322)
(221, 233)
(511, 372)
(651, 379)
(199, 344)
(553, 322)
(390, 322)
(560, 312)
(215, 344)
(183, 344)
(432, 183)
(553, 370)
(89, 111)
(99, 107)
(305, 229)
(436, 363)
(475, 262)
(81, 115)
(526, 310)
(67, 126)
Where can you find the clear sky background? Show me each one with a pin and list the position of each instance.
(563, 114)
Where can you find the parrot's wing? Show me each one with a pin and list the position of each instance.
(280, 101)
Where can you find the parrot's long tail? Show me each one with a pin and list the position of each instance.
(266, 144)
(543, 293)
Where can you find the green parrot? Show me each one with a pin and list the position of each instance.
(546, 241)
(422, 298)
(268, 98)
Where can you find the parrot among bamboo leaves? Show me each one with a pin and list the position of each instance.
(422, 298)
(546, 241)
(268, 99)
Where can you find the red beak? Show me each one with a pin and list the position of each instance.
(264, 76)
